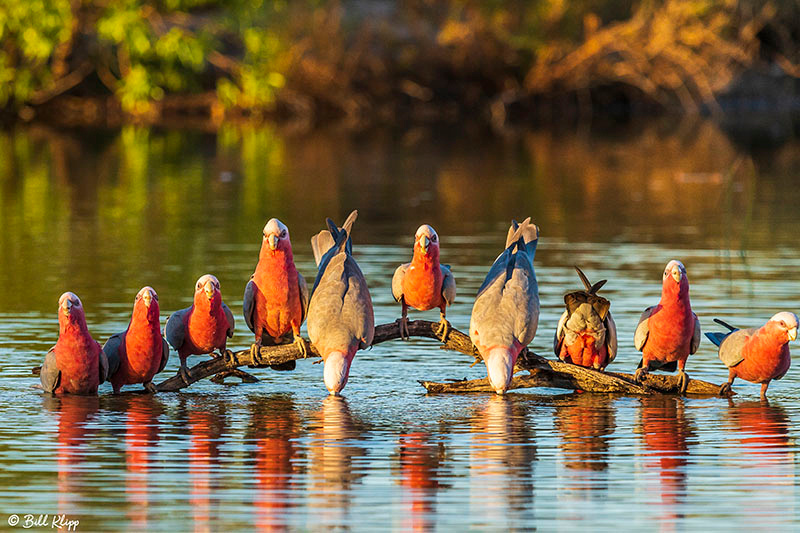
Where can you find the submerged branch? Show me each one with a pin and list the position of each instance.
(541, 372)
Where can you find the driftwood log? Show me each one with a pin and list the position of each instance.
(541, 372)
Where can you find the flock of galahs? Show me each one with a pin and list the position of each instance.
(340, 318)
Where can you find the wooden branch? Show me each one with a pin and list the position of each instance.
(541, 372)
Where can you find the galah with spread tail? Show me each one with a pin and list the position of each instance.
(423, 283)
(757, 355)
(203, 327)
(76, 364)
(586, 334)
(276, 297)
(340, 317)
(140, 352)
(506, 311)
(668, 332)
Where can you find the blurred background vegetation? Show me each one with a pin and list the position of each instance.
(105, 62)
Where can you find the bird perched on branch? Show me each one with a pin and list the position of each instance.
(76, 364)
(340, 316)
(203, 327)
(586, 333)
(276, 297)
(140, 352)
(506, 311)
(669, 332)
(757, 355)
(423, 283)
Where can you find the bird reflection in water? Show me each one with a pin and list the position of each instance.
(666, 432)
(420, 460)
(501, 464)
(333, 448)
(206, 425)
(274, 427)
(141, 436)
(75, 413)
(585, 422)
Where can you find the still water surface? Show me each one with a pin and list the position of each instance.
(105, 213)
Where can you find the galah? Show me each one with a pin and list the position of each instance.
(423, 283)
(140, 352)
(669, 332)
(340, 316)
(203, 327)
(506, 311)
(276, 297)
(586, 333)
(76, 364)
(757, 355)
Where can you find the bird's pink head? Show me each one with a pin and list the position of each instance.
(146, 304)
(500, 363)
(426, 243)
(70, 311)
(207, 290)
(785, 323)
(276, 237)
(675, 281)
(337, 371)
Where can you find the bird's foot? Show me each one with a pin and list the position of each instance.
(683, 381)
(443, 329)
(640, 374)
(300, 342)
(150, 387)
(234, 372)
(725, 389)
(403, 325)
(185, 374)
(230, 358)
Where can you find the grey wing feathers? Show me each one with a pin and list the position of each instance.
(695, 335)
(231, 321)
(642, 329)
(103, 367)
(50, 374)
(175, 329)
(249, 303)
(397, 281)
(448, 285)
(558, 338)
(301, 281)
(164, 354)
(611, 337)
(732, 347)
(111, 351)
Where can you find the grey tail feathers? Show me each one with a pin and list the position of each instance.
(724, 325)
(524, 236)
(717, 338)
(334, 236)
(591, 289)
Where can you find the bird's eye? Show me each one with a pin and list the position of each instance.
(783, 324)
(433, 239)
(283, 233)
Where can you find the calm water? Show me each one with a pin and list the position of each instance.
(104, 213)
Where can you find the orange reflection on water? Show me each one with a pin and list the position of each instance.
(205, 428)
(141, 437)
(420, 461)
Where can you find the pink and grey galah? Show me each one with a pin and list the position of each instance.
(758, 355)
(669, 332)
(276, 297)
(340, 317)
(203, 327)
(140, 352)
(506, 311)
(586, 334)
(424, 283)
(76, 364)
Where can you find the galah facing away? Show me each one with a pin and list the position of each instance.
(140, 352)
(506, 311)
(668, 332)
(586, 334)
(276, 297)
(758, 355)
(76, 364)
(340, 317)
(423, 283)
(203, 327)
